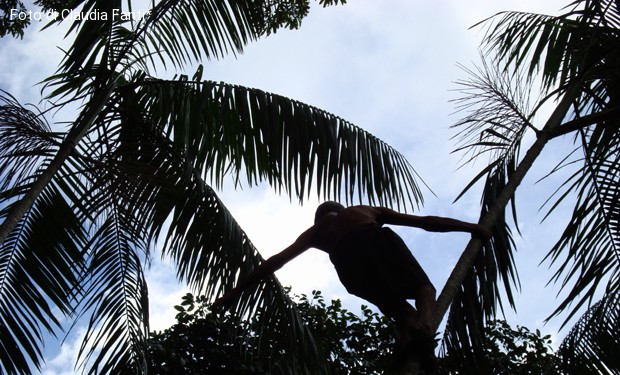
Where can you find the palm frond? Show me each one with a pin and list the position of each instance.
(116, 300)
(499, 114)
(177, 32)
(589, 248)
(592, 346)
(172, 31)
(39, 264)
(559, 47)
(212, 253)
(538, 41)
(208, 29)
(92, 40)
(498, 119)
(79, 249)
(215, 28)
(266, 137)
(108, 201)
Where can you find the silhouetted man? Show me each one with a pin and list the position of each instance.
(372, 261)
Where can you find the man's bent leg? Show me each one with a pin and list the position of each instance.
(405, 317)
(404, 322)
(425, 302)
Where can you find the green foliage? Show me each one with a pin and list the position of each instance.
(201, 342)
(273, 15)
(517, 351)
(10, 25)
(507, 351)
(353, 344)
(15, 17)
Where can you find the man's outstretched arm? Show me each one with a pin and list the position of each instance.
(266, 268)
(432, 223)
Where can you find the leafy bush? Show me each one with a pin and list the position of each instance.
(202, 342)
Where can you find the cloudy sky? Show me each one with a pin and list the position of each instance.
(389, 67)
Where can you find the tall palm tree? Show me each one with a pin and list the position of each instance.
(575, 59)
(81, 209)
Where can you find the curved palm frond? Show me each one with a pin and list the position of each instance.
(114, 293)
(561, 48)
(209, 29)
(212, 252)
(108, 197)
(116, 299)
(539, 43)
(478, 297)
(215, 28)
(267, 137)
(74, 250)
(173, 31)
(589, 248)
(177, 32)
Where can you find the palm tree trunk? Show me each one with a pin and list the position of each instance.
(489, 220)
(21, 207)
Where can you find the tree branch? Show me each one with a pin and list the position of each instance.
(488, 221)
(586, 121)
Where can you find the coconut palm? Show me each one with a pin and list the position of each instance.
(574, 59)
(84, 208)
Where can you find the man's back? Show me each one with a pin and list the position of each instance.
(334, 226)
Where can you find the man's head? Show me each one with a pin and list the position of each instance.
(326, 208)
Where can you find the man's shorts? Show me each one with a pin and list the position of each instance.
(375, 264)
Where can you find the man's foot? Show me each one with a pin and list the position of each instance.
(420, 348)
(420, 328)
(422, 345)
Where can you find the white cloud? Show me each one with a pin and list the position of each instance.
(165, 292)
(63, 362)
